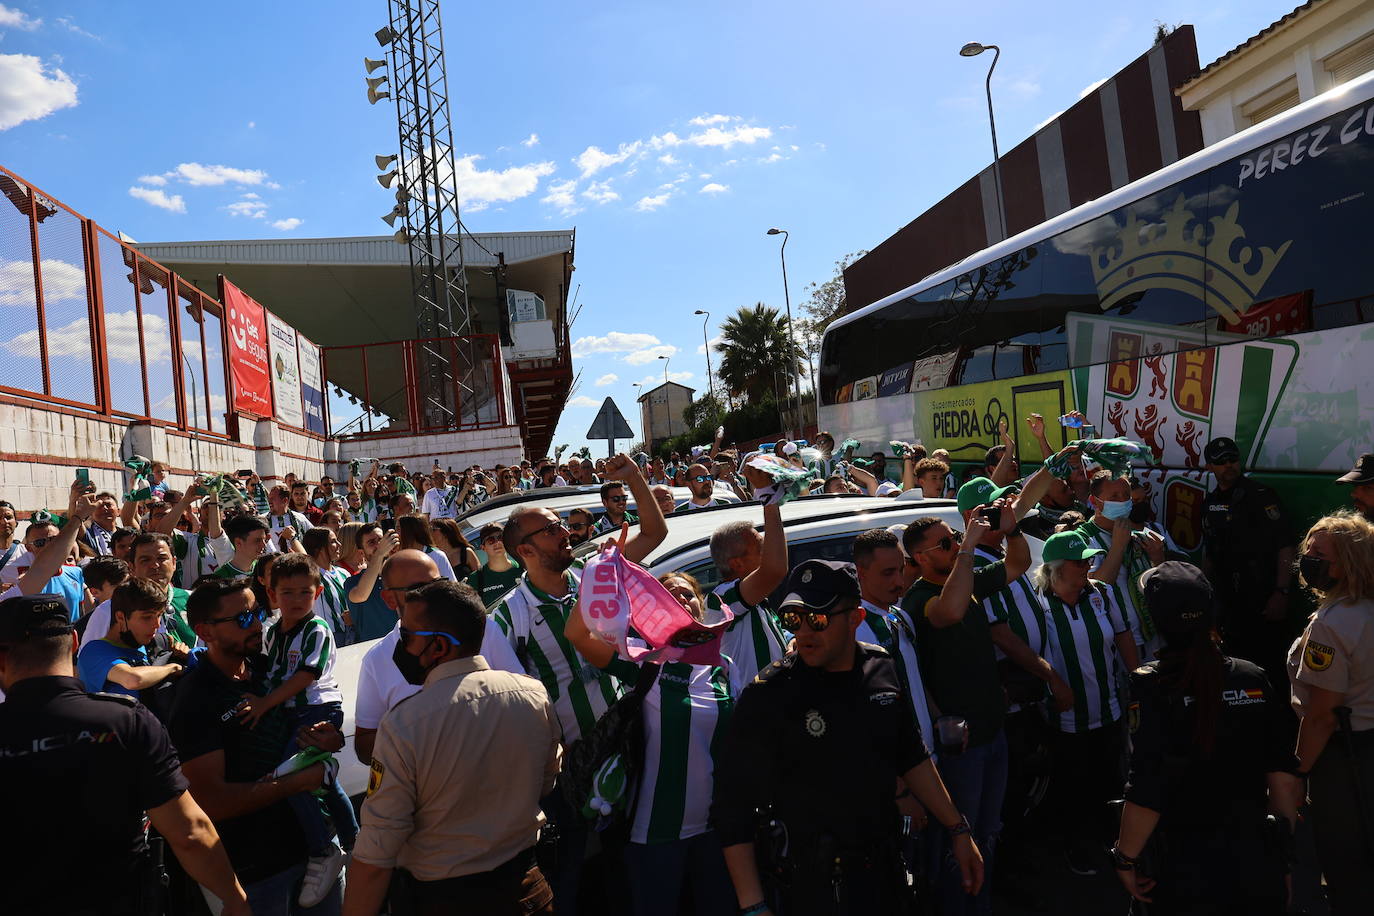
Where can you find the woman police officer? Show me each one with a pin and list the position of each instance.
(1210, 753)
(1331, 667)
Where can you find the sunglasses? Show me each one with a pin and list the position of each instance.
(702, 478)
(550, 528)
(618, 499)
(244, 620)
(945, 543)
(40, 543)
(491, 539)
(577, 526)
(818, 621)
(406, 634)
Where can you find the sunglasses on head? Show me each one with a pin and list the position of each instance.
(818, 621)
(245, 620)
(945, 543)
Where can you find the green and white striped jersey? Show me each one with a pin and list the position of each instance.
(533, 622)
(1083, 653)
(754, 640)
(333, 600)
(367, 511)
(685, 717)
(1126, 588)
(197, 555)
(892, 630)
(309, 644)
(1016, 605)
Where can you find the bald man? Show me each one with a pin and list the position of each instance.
(380, 683)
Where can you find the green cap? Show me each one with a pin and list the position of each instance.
(981, 492)
(1068, 545)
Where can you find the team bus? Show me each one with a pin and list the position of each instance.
(1231, 293)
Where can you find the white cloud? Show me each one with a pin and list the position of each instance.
(708, 120)
(600, 192)
(197, 175)
(286, 225)
(561, 195)
(649, 204)
(649, 354)
(772, 157)
(714, 188)
(252, 124)
(531, 140)
(61, 280)
(17, 19)
(70, 25)
(715, 136)
(668, 159)
(28, 91)
(251, 195)
(479, 187)
(161, 199)
(614, 342)
(583, 401)
(593, 159)
(701, 348)
(251, 208)
(610, 378)
(156, 181)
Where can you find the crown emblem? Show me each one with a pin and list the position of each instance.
(1212, 263)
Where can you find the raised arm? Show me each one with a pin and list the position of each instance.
(385, 548)
(1003, 474)
(950, 606)
(80, 507)
(1036, 424)
(168, 524)
(653, 527)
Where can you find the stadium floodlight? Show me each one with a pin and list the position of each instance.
(383, 161)
(385, 35)
(386, 180)
(372, 65)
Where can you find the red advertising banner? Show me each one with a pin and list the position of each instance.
(1284, 315)
(246, 328)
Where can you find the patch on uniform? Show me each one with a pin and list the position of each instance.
(1099, 606)
(815, 725)
(1133, 717)
(1317, 656)
(374, 777)
(806, 576)
(884, 699)
(1273, 512)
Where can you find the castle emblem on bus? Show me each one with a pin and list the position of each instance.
(1173, 254)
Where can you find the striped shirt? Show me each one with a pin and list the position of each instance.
(1084, 654)
(892, 630)
(605, 524)
(333, 600)
(532, 621)
(367, 511)
(754, 639)
(308, 646)
(197, 556)
(685, 718)
(1126, 588)
(1016, 605)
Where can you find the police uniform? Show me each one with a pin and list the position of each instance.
(820, 752)
(81, 770)
(1214, 850)
(1244, 528)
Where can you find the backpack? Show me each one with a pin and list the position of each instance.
(601, 769)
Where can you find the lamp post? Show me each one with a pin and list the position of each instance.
(706, 342)
(973, 49)
(791, 335)
(666, 361)
(648, 425)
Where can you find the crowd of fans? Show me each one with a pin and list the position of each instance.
(222, 608)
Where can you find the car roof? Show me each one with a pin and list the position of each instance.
(560, 499)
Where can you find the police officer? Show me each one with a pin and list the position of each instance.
(1361, 481)
(1249, 552)
(82, 769)
(1211, 751)
(824, 744)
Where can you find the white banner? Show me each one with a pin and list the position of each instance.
(312, 385)
(286, 373)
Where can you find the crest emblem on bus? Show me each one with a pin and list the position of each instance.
(1173, 254)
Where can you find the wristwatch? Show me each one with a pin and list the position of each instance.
(1122, 861)
(958, 827)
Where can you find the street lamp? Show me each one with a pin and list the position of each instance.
(706, 342)
(973, 49)
(646, 425)
(791, 337)
(667, 360)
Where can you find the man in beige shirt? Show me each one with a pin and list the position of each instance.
(457, 772)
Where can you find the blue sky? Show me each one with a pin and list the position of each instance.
(670, 138)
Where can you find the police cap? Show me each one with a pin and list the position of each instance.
(1221, 450)
(818, 584)
(1179, 597)
(1362, 472)
(32, 617)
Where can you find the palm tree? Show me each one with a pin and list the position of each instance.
(759, 357)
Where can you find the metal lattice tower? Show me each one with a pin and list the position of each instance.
(427, 195)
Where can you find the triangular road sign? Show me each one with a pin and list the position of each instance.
(609, 423)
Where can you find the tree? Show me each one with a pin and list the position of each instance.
(758, 357)
(826, 303)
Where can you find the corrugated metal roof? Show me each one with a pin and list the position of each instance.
(478, 250)
(1259, 36)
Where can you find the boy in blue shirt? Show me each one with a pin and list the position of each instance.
(117, 663)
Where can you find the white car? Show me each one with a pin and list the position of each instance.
(818, 527)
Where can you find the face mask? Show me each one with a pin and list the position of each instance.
(1316, 572)
(1114, 510)
(1140, 512)
(409, 665)
(127, 637)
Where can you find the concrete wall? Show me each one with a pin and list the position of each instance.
(41, 446)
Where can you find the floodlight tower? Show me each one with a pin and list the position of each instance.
(427, 203)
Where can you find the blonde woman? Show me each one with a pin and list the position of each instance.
(1331, 667)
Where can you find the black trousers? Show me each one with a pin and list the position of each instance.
(1088, 775)
(1343, 852)
(1231, 870)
